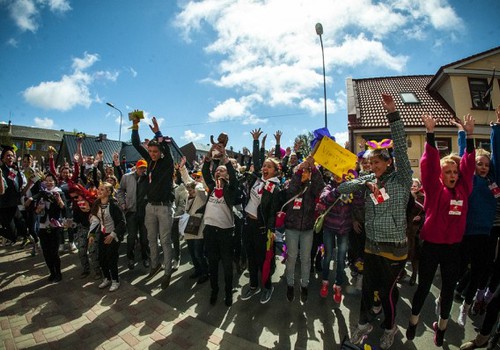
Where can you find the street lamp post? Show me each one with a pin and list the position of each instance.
(319, 31)
(121, 117)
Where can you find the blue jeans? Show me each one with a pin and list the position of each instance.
(294, 239)
(329, 236)
(196, 248)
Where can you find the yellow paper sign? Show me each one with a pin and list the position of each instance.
(334, 157)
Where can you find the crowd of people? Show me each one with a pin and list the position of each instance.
(370, 222)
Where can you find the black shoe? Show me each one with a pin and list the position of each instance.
(153, 272)
(145, 263)
(85, 274)
(51, 278)
(213, 296)
(438, 334)
(131, 264)
(165, 282)
(303, 294)
(58, 278)
(202, 279)
(229, 299)
(289, 293)
(410, 331)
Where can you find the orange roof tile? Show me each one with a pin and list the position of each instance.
(372, 114)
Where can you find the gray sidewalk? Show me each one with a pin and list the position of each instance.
(76, 314)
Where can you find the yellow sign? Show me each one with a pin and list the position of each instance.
(334, 157)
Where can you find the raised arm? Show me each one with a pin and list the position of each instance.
(404, 172)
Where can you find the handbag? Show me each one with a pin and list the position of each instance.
(281, 215)
(193, 225)
(318, 224)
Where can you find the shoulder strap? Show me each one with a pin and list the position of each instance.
(293, 198)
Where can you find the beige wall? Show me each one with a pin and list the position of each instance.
(463, 103)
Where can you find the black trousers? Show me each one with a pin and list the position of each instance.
(380, 274)
(49, 240)
(447, 256)
(475, 250)
(255, 240)
(219, 245)
(135, 227)
(108, 258)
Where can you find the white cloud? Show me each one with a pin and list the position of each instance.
(46, 123)
(26, 13)
(341, 137)
(71, 90)
(191, 136)
(133, 72)
(12, 42)
(274, 54)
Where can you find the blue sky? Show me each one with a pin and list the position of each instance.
(202, 67)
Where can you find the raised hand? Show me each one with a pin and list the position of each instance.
(277, 136)
(469, 125)
(429, 122)
(256, 133)
(154, 128)
(183, 161)
(388, 103)
(458, 123)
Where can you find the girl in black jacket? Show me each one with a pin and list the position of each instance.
(107, 218)
(261, 208)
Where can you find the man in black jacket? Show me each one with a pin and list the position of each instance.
(160, 196)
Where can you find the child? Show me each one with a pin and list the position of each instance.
(107, 218)
(448, 184)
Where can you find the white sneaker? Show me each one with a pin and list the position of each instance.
(360, 333)
(462, 315)
(73, 248)
(105, 282)
(388, 337)
(114, 286)
(437, 309)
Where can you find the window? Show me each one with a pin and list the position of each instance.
(409, 98)
(443, 144)
(478, 88)
(483, 143)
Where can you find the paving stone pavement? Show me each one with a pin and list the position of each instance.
(76, 314)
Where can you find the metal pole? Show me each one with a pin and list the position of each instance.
(319, 31)
(121, 118)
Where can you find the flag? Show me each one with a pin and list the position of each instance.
(487, 95)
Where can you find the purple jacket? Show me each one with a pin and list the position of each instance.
(339, 218)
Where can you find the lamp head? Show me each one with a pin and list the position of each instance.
(319, 29)
(110, 104)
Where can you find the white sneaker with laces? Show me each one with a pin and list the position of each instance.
(360, 333)
(114, 286)
(462, 315)
(105, 283)
(388, 337)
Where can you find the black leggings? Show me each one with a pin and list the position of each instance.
(49, 240)
(108, 258)
(447, 256)
(474, 250)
